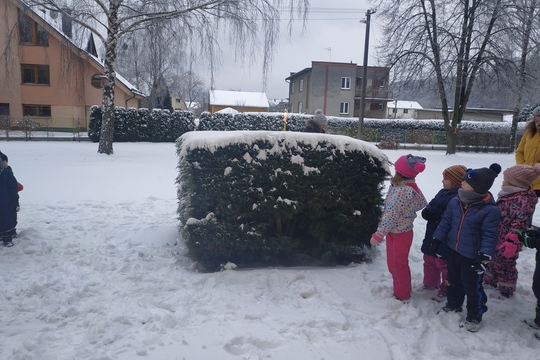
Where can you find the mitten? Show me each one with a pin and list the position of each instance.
(430, 215)
(480, 264)
(529, 238)
(17, 208)
(509, 246)
(434, 247)
(376, 239)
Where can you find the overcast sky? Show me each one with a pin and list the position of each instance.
(331, 25)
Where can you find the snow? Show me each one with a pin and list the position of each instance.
(238, 98)
(99, 272)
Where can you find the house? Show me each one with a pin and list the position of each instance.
(51, 72)
(242, 101)
(177, 101)
(470, 114)
(336, 89)
(401, 109)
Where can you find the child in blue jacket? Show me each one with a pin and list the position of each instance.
(469, 228)
(435, 269)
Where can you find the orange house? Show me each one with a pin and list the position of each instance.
(46, 75)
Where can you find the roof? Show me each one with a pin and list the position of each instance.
(78, 39)
(238, 98)
(404, 104)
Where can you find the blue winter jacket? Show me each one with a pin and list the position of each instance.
(433, 213)
(470, 228)
(8, 199)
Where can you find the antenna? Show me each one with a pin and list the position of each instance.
(329, 49)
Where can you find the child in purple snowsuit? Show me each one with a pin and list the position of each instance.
(435, 269)
(516, 201)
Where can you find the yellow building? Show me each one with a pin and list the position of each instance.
(48, 77)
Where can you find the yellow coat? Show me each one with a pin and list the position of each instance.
(528, 152)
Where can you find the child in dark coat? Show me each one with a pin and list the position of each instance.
(531, 239)
(8, 203)
(435, 270)
(516, 201)
(469, 227)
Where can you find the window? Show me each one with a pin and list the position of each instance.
(35, 74)
(177, 100)
(292, 108)
(30, 33)
(394, 110)
(37, 110)
(405, 111)
(344, 108)
(382, 83)
(292, 88)
(301, 87)
(345, 83)
(4, 109)
(98, 81)
(300, 107)
(381, 106)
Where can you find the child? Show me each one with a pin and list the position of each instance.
(403, 200)
(4, 159)
(8, 202)
(516, 201)
(469, 227)
(435, 270)
(531, 239)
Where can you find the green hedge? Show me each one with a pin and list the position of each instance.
(258, 197)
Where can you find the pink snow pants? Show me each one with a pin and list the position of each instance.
(398, 246)
(435, 272)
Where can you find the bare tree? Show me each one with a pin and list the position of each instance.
(447, 40)
(193, 88)
(524, 14)
(201, 19)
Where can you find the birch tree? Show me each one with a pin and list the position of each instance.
(244, 21)
(449, 40)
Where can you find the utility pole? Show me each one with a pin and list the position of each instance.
(364, 74)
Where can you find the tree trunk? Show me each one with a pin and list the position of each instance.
(107, 123)
(451, 141)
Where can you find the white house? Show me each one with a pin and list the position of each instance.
(403, 109)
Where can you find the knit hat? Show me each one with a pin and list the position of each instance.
(454, 174)
(410, 166)
(482, 179)
(536, 111)
(320, 118)
(522, 175)
(3, 156)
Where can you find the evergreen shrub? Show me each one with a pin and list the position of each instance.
(260, 197)
(94, 124)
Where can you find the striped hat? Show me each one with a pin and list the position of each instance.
(454, 174)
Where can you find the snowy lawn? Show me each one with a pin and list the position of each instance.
(99, 272)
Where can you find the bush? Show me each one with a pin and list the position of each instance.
(259, 197)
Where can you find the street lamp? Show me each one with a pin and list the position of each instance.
(364, 73)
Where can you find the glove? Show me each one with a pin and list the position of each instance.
(480, 264)
(429, 215)
(509, 247)
(376, 239)
(434, 247)
(529, 238)
(17, 208)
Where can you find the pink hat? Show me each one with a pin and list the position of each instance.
(410, 166)
(522, 175)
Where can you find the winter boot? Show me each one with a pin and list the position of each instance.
(471, 325)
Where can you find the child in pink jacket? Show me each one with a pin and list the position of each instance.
(403, 200)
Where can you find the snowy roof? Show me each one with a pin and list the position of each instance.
(404, 104)
(238, 98)
(227, 110)
(79, 38)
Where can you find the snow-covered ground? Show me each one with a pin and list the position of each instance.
(99, 272)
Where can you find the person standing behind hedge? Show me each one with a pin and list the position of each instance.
(435, 269)
(318, 123)
(403, 200)
(528, 150)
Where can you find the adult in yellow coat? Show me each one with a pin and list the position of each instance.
(528, 150)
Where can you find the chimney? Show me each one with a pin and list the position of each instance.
(67, 24)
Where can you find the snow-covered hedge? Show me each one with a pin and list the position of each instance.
(142, 124)
(260, 196)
